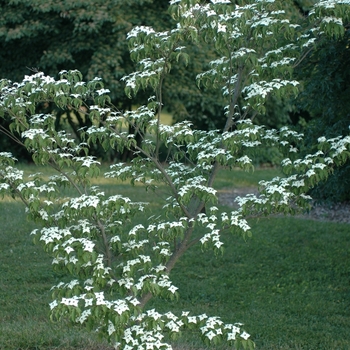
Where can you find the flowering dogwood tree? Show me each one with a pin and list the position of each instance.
(115, 270)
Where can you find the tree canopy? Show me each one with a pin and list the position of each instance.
(325, 100)
(90, 35)
(87, 35)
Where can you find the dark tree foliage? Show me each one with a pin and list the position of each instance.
(88, 35)
(325, 99)
(186, 101)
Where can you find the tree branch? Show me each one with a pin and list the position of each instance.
(172, 261)
(10, 135)
(54, 166)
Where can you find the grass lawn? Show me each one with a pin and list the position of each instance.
(289, 284)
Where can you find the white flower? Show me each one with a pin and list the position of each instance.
(102, 91)
(88, 302)
(5, 186)
(100, 298)
(299, 183)
(154, 314)
(245, 335)
(72, 284)
(221, 28)
(231, 336)
(69, 249)
(85, 314)
(120, 308)
(210, 335)
(133, 301)
(88, 246)
(171, 316)
(53, 304)
(70, 301)
(211, 226)
(172, 289)
(192, 319)
(319, 165)
(173, 326)
(329, 19)
(111, 328)
(244, 160)
(310, 172)
(202, 317)
(235, 329)
(7, 155)
(218, 244)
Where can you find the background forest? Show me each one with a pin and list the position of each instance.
(89, 35)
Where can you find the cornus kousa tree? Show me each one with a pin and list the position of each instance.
(117, 262)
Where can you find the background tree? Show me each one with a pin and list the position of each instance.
(116, 269)
(50, 36)
(325, 103)
(88, 35)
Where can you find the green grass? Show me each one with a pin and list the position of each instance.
(166, 118)
(239, 178)
(25, 281)
(289, 283)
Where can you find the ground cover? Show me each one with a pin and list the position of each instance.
(289, 283)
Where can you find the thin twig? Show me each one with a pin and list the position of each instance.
(54, 166)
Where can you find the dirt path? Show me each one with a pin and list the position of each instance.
(335, 212)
